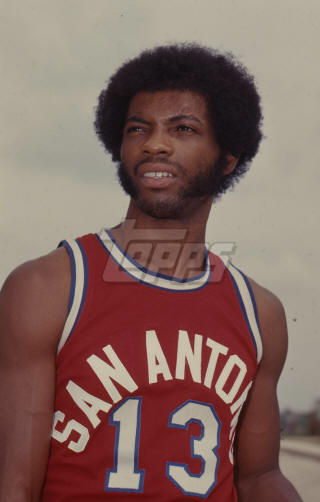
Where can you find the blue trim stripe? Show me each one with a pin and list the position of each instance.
(166, 282)
(79, 281)
(151, 272)
(248, 306)
(73, 272)
(254, 303)
(85, 285)
(244, 312)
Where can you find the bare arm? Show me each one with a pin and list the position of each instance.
(33, 308)
(257, 447)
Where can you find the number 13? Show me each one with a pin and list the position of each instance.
(126, 477)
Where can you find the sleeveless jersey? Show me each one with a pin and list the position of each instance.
(152, 373)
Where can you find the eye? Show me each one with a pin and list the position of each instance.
(134, 129)
(185, 128)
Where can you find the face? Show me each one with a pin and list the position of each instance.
(170, 160)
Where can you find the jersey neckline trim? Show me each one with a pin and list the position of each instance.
(143, 275)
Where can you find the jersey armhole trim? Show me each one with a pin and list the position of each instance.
(78, 288)
(248, 305)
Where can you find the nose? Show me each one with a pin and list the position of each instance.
(158, 143)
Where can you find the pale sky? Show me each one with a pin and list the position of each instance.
(57, 182)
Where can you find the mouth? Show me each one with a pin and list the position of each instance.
(156, 167)
(156, 175)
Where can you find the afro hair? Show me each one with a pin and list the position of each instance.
(232, 99)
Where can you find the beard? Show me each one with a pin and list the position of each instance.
(199, 189)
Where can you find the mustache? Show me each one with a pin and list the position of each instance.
(157, 160)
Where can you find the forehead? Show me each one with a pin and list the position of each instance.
(168, 103)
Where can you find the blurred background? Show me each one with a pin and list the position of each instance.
(57, 182)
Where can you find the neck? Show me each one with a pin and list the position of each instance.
(175, 247)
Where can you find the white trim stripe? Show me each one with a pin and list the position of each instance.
(247, 300)
(145, 276)
(78, 282)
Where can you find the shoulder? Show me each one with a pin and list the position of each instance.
(34, 299)
(268, 303)
(33, 309)
(273, 327)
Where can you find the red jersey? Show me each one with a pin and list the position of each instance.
(152, 373)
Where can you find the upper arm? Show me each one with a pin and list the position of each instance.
(33, 307)
(258, 438)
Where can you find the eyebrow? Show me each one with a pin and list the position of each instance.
(136, 118)
(176, 118)
(185, 117)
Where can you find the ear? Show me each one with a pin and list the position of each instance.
(231, 163)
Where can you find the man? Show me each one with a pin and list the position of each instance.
(158, 361)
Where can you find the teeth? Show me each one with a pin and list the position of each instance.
(158, 174)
